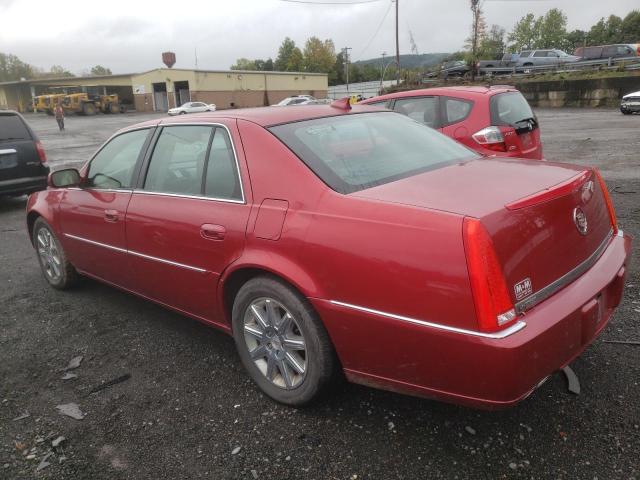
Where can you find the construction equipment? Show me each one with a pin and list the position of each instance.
(85, 104)
(46, 103)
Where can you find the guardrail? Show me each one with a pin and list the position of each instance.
(628, 63)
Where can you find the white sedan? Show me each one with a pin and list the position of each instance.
(192, 107)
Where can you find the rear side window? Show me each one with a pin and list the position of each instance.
(509, 109)
(354, 152)
(178, 160)
(541, 53)
(420, 109)
(525, 53)
(610, 51)
(456, 110)
(115, 163)
(13, 128)
(221, 176)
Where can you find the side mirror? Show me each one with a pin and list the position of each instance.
(69, 177)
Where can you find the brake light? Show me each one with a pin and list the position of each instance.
(40, 150)
(608, 201)
(491, 138)
(494, 308)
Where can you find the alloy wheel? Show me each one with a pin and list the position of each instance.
(49, 254)
(275, 343)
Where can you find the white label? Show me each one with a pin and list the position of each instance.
(523, 289)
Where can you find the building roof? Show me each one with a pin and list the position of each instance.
(268, 72)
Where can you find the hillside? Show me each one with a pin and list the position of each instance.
(424, 60)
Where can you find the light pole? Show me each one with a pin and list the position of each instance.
(397, 47)
(345, 53)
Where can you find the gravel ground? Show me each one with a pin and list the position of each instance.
(189, 411)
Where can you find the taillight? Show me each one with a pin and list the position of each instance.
(491, 138)
(608, 201)
(40, 150)
(494, 309)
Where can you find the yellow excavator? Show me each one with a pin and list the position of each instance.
(85, 104)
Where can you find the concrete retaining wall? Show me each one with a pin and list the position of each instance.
(601, 92)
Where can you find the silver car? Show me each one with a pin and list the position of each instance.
(535, 58)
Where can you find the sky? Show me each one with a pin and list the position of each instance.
(128, 36)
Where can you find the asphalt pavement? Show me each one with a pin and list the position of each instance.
(165, 397)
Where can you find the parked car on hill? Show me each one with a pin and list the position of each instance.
(455, 68)
(507, 60)
(328, 238)
(192, 107)
(491, 120)
(23, 167)
(607, 51)
(630, 103)
(531, 58)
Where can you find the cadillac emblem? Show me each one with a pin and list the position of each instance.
(587, 191)
(580, 219)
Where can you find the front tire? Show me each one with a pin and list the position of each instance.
(57, 270)
(282, 342)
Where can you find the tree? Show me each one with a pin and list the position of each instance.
(319, 56)
(59, 71)
(244, 64)
(575, 39)
(290, 58)
(12, 68)
(99, 70)
(524, 35)
(492, 45)
(630, 31)
(552, 30)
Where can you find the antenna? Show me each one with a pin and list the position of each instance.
(414, 47)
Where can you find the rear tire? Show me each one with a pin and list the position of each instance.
(88, 109)
(183, 112)
(284, 346)
(57, 270)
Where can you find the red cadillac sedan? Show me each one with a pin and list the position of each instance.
(330, 238)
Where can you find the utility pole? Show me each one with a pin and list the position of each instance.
(345, 55)
(397, 47)
(382, 70)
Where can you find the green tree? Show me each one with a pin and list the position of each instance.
(630, 30)
(492, 45)
(99, 70)
(12, 68)
(244, 64)
(552, 30)
(575, 39)
(525, 33)
(319, 56)
(290, 58)
(59, 71)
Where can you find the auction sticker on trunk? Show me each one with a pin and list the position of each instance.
(523, 289)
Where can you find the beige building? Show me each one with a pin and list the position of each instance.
(164, 88)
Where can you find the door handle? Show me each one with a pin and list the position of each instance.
(111, 216)
(213, 232)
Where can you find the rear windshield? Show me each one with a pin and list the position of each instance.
(355, 152)
(13, 128)
(510, 109)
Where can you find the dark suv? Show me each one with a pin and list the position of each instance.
(23, 167)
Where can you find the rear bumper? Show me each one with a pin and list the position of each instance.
(479, 371)
(23, 185)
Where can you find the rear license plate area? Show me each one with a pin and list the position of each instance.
(9, 160)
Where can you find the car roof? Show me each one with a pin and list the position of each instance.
(469, 93)
(263, 116)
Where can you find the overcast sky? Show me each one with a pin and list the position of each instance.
(129, 36)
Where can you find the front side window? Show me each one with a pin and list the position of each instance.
(525, 53)
(178, 160)
(540, 53)
(115, 163)
(420, 109)
(354, 152)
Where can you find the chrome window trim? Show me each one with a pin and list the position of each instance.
(137, 254)
(8, 151)
(196, 197)
(235, 157)
(516, 327)
(572, 275)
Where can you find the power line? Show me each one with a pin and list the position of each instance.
(376, 32)
(358, 2)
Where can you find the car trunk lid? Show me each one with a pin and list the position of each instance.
(534, 213)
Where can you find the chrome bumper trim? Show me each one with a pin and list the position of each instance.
(516, 327)
(534, 299)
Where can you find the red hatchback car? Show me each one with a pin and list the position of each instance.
(494, 121)
(325, 238)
